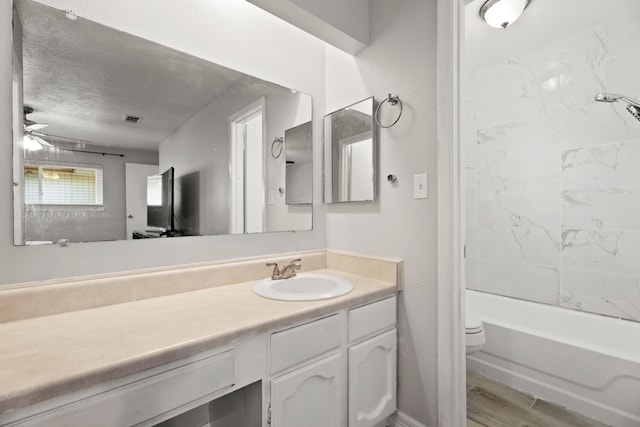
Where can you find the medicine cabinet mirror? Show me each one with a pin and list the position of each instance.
(97, 111)
(299, 170)
(350, 148)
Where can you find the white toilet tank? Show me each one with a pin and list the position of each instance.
(474, 333)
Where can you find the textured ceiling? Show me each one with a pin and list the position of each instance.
(81, 78)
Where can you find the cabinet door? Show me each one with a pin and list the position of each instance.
(372, 380)
(310, 396)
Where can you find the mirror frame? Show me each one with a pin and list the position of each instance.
(328, 157)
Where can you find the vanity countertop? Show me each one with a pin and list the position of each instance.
(49, 356)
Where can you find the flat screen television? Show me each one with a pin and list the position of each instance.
(160, 202)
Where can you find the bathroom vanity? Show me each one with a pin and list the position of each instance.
(217, 355)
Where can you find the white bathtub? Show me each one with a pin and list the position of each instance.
(585, 362)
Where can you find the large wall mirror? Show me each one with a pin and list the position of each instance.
(350, 154)
(117, 137)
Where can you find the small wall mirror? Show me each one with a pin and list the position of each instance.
(299, 169)
(350, 154)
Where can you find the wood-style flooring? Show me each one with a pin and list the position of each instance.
(492, 404)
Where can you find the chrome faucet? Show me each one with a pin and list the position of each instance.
(287, 271)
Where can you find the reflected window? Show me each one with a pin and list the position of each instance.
(154, 190)
(63, 184)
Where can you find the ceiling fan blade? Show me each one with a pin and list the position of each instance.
(41, 141)
(36, 126)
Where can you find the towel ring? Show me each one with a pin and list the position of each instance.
(278, 140)
(393, 100)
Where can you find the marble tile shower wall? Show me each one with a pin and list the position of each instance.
(553, 177)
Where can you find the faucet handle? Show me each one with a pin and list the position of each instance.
(289, 270)
(293, 266)
(276, 271)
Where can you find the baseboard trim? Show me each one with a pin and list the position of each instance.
(400, 419)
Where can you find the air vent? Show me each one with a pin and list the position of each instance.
(128, 118)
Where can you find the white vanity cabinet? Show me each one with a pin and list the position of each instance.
(372, 363)
(154, 395)
(307, 365)
(336, 371)
(310, 396)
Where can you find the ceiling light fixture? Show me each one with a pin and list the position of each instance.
(30, 144)
(502, 13)
(32, 140)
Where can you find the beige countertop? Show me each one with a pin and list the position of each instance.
(49, 356)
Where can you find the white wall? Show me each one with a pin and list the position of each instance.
(552, 176)
(400, 60)
(262, 46)
(344, 24)
(350, 17)
(201, 146)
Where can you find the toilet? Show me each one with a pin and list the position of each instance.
(474, 336)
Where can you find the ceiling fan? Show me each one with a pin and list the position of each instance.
(33, 140)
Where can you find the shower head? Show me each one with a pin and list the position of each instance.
(608, 97)
(633, 106)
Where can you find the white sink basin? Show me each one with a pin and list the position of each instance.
(303, 287)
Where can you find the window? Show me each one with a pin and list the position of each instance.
(63, 184)
(154, 190)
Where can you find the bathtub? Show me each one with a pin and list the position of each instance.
(585, 362)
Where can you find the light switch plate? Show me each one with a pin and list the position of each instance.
(272, 198)
(421, 186)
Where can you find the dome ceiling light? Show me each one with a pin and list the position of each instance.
(502, 13)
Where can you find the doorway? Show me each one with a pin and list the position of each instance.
(246, 131)
(136, 195)
(356, 168)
